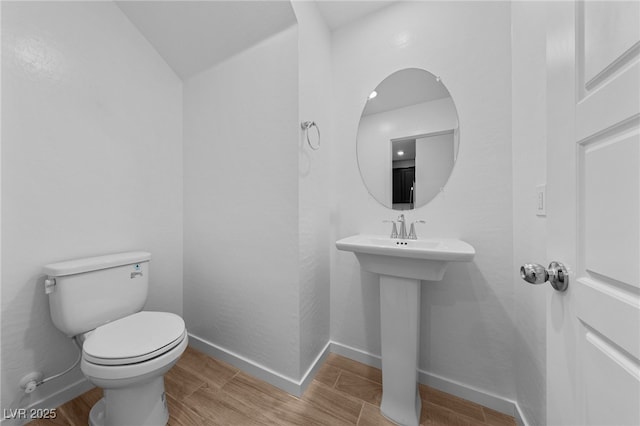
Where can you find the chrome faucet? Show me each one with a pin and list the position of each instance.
(403, 228)
(412, 230)
(394, 230)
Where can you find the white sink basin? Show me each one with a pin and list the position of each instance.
(422, 259)
(402, 264)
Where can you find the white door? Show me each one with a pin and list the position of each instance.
(593, 193)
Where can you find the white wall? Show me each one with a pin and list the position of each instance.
(91, 164)
(529, 231)
(467, 319)
(314, 97)
(376, 131)
(271, 305)
(241, 264)
(102, 172)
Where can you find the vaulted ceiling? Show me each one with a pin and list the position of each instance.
(193, 36)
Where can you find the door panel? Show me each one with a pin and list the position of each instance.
(604, 308)
(604, 364)
(611, 204)
(609, 34)
(593, 117)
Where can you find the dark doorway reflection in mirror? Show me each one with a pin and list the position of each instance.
(403, 165)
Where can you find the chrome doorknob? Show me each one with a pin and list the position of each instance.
(556, 274)
(534, 273)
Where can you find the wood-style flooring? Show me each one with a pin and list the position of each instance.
(204, 391)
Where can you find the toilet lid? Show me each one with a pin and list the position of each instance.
(135, 338)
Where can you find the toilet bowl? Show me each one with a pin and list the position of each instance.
(128, 359)
(125, 351)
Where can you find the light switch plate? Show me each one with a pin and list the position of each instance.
(541, 200)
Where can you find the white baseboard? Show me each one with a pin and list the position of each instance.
(470, 393)
(54, 400)
(288, 384)
(294, 387)
(453, 387)
(521, 420)
(356, 354)
(313, 368)
(297, 387)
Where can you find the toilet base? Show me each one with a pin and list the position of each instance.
(143, 405)
(96, 415)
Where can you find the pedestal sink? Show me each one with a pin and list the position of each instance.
(402, 264)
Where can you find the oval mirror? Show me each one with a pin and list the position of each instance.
(407, 139)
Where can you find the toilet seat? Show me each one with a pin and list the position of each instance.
(134, 339)
(112, 376)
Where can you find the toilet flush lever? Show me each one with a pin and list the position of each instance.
(49, 285)
(136, 273)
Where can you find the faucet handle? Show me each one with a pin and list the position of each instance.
(394, 229)
(412, 230)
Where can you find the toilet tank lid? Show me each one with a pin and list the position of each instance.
(87, 264)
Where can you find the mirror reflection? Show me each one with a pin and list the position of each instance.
(407, 139)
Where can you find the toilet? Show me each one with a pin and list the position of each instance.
(126, 351)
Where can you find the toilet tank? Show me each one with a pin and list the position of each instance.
(93, 291)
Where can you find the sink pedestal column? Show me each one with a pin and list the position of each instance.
(400, 329)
